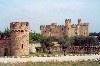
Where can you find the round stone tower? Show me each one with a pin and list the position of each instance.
(19, 38)
(68, 27)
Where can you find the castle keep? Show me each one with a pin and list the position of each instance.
(16, 42)
(68, 29)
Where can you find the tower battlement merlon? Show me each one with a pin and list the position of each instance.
(68, 20)
(43, 26)
(19, 26)
(74, 25)
(79, 21)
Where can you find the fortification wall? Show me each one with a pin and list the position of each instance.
(53, 29)
(5, 44)
(32, 47)
(67, 29)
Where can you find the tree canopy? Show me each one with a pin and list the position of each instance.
(34, 37)
(7, 30)
(47, 44)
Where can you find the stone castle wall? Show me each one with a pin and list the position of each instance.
(5, 44)
(67, 29)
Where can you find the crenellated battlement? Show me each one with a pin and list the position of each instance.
(74, 25)
(19, 26)
(60, 25)
(52, 24)
(84, 24)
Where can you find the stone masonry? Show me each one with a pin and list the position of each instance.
(68, 29)
(17, 41)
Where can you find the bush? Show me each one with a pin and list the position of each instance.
(39, 49)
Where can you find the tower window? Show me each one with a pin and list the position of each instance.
(22, 46)
(19, 30)
(75, 32)
(22, 31)
(68, 28)
(26, 24)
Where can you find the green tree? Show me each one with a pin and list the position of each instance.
(47, 44)
(85, 41)
(65, 42)
(7, 30)
(34, 37)
(91, 41)
(79, 40)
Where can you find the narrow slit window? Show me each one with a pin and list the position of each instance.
(26, 24)
(75, 32)
(22, 46)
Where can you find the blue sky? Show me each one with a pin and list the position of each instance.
(38, 12)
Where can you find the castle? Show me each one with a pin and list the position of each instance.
(68, 29)
(16, 42)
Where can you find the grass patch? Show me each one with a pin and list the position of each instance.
(53, 54)
(91, 63)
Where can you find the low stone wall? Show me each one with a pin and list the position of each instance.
(71, 49)
(85, 49)
(33, 46)
(79, 49)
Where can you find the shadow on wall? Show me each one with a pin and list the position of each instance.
(7, 52)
